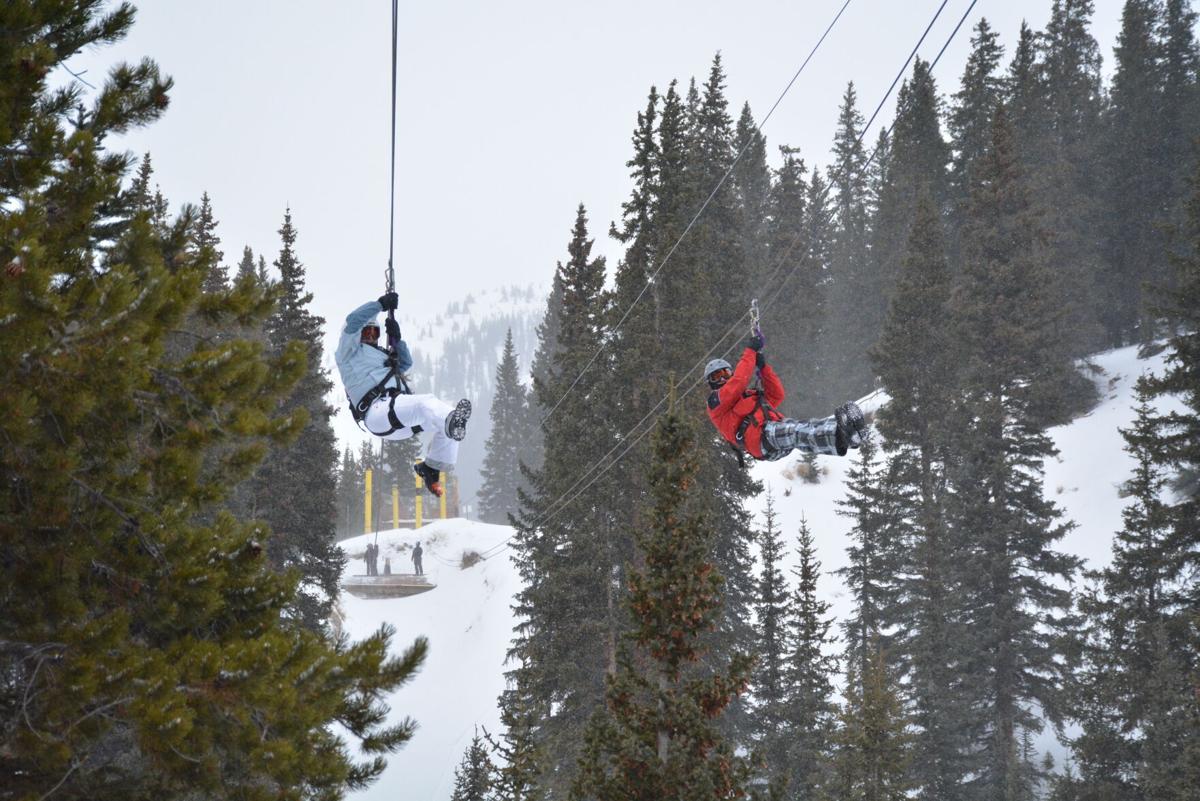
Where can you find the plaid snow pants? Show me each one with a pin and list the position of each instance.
(781, 437)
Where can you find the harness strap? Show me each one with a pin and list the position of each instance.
(750, 420)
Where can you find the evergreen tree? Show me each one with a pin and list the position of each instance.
(918, 162)
(516, 778)
(809, 675)
(147, 650)
(140, 197)
(871, 745)
(657, 738)
(473, 778)
(970, 118)
(846, 373)
(1066, 184)
(1180, 68)
(871, 575)
(567, 550)
(294, 489)
(206, 243)
(1135, 171)
(769, 683)
(797, 308)
(507, 443)
(917, 360)
(1140, 732)
(1018, 609)
(752, 180)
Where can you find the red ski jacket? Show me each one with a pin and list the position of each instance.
(734, 402)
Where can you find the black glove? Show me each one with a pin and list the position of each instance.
(755, 343)
(760, 361)
(393, 329)
(390, 301)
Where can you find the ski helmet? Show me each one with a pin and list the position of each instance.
(367, 326)
(715, 365)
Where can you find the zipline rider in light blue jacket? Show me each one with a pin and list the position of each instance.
(379, 397)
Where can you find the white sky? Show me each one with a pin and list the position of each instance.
(509, 115)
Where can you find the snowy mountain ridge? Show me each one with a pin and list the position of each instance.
(468, 618)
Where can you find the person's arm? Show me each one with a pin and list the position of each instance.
(732, 392)
(772, 386)
(355, 321)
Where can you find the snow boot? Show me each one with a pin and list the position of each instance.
(431, 477)
(851, 426)
(456, 421)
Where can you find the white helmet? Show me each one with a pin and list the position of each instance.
(715, 365)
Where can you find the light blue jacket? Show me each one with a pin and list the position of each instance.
(363, 366)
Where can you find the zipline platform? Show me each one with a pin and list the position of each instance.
(397, 585)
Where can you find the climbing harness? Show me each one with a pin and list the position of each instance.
(762, 405)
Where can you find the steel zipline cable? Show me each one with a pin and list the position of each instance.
(391, 270)
(649, 281)
(604, 464)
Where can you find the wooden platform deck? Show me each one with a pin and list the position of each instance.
(397, 585)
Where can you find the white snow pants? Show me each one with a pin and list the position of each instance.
(425, 411)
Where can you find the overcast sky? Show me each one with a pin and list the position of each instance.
(509, 115)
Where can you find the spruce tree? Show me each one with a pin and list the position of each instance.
(206, 243)
(970, 119)
(769, 685)
(507, 443)
(752, 181)
(871, 746)
(809, 672)
(917, 361)
(1136, 174)
(566, 547)
(797, 306)
(294, 488)
(1066, 184)
(147, 648)
(473, 778)
(846, 373)
(918, 162)
(657, 737)
(516, 777)
(1180, 68)
(1018, 609)
(876, 538)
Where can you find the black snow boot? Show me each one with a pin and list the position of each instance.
(456, 421)
(431, 477)
(851, 426)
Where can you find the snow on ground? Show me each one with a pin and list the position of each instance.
(467, 620)
(469, 623)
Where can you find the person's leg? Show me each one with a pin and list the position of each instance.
(430, 414)
(806, 436)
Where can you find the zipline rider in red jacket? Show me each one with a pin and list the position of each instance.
(748, 420)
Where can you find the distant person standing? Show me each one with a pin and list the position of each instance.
(417, 560)
(387, 567)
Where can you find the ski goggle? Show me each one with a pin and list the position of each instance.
(370, 332)
(720, 375)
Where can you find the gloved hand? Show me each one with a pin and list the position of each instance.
(390, 301)
(393, 329)
(760, 360)
(755, 343)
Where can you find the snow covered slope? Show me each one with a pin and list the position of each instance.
(468, 620)
(468, 623)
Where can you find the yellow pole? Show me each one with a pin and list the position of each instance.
(367, 505)
(395, 506)
(417, 505)
(442, 504)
